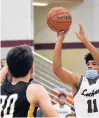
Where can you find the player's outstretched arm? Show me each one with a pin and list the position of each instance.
(64, 75)
(37, 95)
(3, 73)
(82, 37)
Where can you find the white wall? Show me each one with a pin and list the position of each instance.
(96, 20)
(85, 13)
(16, 20)
(4, 52)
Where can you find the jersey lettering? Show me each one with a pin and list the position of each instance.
(7, 104)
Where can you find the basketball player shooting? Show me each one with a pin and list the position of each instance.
(85, 88)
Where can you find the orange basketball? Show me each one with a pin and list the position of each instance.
(59, 19)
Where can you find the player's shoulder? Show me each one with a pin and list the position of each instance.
(76, 75)
(33, 87)
(34, 91)
(77, 78)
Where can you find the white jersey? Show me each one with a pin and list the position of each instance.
(62, 111)
(86, 100)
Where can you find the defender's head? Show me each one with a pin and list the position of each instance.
(90, 62)
(20, 61)
(62, 98)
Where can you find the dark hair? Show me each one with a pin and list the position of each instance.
(20, 60)
(88, 57)
(61, 95)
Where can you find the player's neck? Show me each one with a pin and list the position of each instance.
(61, 105)
(23, 79)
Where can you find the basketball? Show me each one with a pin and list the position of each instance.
(59, 19)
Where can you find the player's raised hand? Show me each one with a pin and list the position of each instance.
(81, 35)
(61, 35)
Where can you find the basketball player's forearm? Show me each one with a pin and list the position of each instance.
(57, 55)
(92, 49)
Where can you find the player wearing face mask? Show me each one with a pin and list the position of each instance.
(85, 88)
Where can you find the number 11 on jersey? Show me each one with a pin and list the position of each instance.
(92, 106)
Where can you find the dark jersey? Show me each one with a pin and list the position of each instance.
(13, 100)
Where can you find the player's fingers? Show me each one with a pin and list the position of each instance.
(61, 32)
(57, 33)
(81, 28)
(76, 34)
